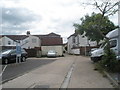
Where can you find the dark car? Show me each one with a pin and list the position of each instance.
(9, 56)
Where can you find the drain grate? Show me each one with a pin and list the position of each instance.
(45, 87)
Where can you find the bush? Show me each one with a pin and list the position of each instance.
(109, 61)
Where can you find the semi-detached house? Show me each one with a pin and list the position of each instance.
(42, 43)
(79, 44)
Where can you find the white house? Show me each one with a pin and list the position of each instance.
(31, 42)
(6, 41)
(79, 44)
(26, 41)
(43, 43)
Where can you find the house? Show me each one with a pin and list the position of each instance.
(26, 41)
(51, 41)
(79, 44)
(32, 43)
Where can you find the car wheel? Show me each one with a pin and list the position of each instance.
(23, 59)
(6, 61)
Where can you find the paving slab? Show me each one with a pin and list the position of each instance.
(84, 75)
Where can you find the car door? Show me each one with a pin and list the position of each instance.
(13, 56)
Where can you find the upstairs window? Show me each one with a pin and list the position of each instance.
(26, 41)
(9, 42)
(34, 40)
(83, 36)
(73, 39)
(13, 43)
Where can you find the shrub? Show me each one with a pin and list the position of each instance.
(109, 61)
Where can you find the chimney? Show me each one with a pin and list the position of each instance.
(28, 33)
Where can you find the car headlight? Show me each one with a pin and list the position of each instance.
(118, 57)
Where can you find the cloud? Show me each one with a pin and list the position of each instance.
(44, 16)
(19, 19)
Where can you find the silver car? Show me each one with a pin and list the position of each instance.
(51, 53)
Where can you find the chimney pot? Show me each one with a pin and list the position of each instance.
(28, 32)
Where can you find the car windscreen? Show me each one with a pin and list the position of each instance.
(51, 51)
(23, 51)
(6, 52)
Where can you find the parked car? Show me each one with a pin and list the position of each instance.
(113, 36)
(51, 53)
(9, 56)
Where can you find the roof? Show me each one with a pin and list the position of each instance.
(48, 35)
(46, 40)
(50, 39)
(16, 37)
(53, 34)
(112, 34)
(75, 34)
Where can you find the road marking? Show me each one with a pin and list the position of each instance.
(3, 70)
(68, 77)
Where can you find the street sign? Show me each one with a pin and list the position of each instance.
(18, 49)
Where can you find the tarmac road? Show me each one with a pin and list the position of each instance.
(14, 70)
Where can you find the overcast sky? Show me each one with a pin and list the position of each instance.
(44, 16)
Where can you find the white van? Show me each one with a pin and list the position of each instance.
(97, 54)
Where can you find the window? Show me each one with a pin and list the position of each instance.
(26, 41)
(83, 36)
(73, 39)
(13, 43)
(113, 43)
(9, 42)
(34, 40)
(13, 52)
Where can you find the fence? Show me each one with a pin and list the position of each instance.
(31, 52)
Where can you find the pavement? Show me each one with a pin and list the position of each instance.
(68, 72)
(84, 75)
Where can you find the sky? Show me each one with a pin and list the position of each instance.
(44, 16)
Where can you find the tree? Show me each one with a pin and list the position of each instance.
(106, 8)
(91, 24)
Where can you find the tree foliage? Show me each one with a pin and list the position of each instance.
(93, 25)
(97, 25)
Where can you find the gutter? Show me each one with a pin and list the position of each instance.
(115, 83)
